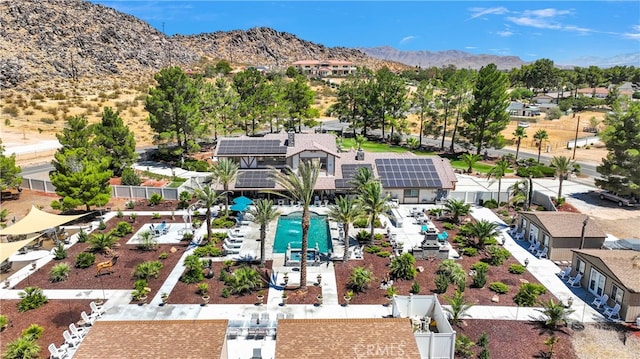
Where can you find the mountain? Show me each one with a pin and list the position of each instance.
(44, 40)
(459, 59)
(630, 59)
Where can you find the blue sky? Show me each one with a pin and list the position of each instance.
(559, 30)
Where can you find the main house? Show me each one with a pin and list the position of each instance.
(405, 177)
(560, 232)
(615, 273)
(325, 67)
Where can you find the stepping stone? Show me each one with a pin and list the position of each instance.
(495, 299)
(523, 281)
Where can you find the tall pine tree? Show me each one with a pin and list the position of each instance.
(116, 139)
(487, 116)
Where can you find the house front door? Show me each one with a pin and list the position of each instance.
(596, 282)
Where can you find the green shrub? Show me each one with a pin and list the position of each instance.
(122, 229)
(31, 298)
(203, 288)
(23, 348)
(101, 225)
(372, 249)
(385, 244)
(119, 214)
(210, 250)
(492, 203)
(225, 292)
(528, 294)
(33, 332)
(364, 223)
(469, 251)
(100, 241)
(442, 283)
(460, 240)
(59, 272)
(85, 260)
(163, 255)
(244, 280)
(140, 289)
(378, 236)
(415, 288)
(4, 320)
(146, 241)
(59, 251)
(146, 270)
(517, 269)
(403, 267)
(479, 278)
(360, 279)
(449, 226)
(499, 287)
(383, 254)
(156, 215)
(362, 236)
(193, 269)
(497, 255)
(222, 223)
(155, 199)
(196, 165)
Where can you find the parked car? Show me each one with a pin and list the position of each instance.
(622, 201)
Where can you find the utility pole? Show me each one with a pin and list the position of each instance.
(575, 142)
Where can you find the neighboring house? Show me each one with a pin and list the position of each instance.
(544, 98)
(561, 232)
(521, 110)
(601, 92)
(405, 177)
(626, 88)
(346, 338)
(325, 67)
(155, 339)
(612, 272)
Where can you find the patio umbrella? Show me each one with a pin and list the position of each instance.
(242, 200)
(239, 207)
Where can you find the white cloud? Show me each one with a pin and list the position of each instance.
(407, 39)
(470, 47)
(505, 33)
(482, 11)
(635, 35)
(546, 12)
(536, 22)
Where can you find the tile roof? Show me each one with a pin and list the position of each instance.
(566, 224)
(624, 264)
(154, 339)
(346, 338)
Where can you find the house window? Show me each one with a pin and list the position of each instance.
(533, 233)
(411, 193)
(545, 240)
(616, 294)
(580, 267)
(524, 224)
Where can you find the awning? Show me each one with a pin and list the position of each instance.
(7, 249)
(37, 221)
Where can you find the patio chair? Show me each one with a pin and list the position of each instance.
(88, 319)
(229, 250)
(542, 253)
(257, 353)
(96, 310)
(533, 246)
(612, 313)
(233, 333)
(519, 235)
(600, 301)
(564, 273)
(575, 281)
(57, 353)
(264, 318)
(236, 233)
(78, 332)
(70, 340)
(231, 244)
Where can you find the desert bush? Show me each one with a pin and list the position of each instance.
(85, 260)
(122, 229)
(156, 215)
(360, 279)
(415, 288)
(130, 177)
(31, 298)
(517, 269)
(147, 270)
(4, 320)
(222, 223)
(210, 250)
(449, 226)
(499, 287)
(155, 199)
(23, 348)
(59, 251)
(163, 255)
(491, 204)
(33, 332)
(497, 255)
(244, 280)
(442, 283)
(470, 251)
(528, 293)
(59, 272)
(193, 269)
(82, 236)
(403, 267)
(479, 278)
(383, 254)
(372, 249)
(362, 236)
(12, 110)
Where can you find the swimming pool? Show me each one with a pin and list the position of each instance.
(289, 230)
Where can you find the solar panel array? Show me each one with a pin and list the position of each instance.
(251, 147)
(408, 173)
(348, 172)
(255, 179)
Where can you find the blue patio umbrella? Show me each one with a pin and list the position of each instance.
(242, 200)
(239, 207)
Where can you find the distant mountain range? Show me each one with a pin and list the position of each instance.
(630, 59)
(459, 59)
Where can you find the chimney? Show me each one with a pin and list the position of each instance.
(291, 139)
(359, 155)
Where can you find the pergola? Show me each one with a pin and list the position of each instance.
(31, 225)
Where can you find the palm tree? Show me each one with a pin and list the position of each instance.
(263, 213)
(300, 188)
(209, 197)
(483, 231)
(456, 209)
(540, 136)
(459, 307)
(561, 164)
(362, 176)
(498, 171)
(519, 193)
(345, 211)
(555, 314)
(520, 133)
(360, 279)
(470, 160)
(224, 173)
(359, 140)
(245, 280)
(372, 202)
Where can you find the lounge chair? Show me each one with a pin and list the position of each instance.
(612, 313)
(70, 340)
(564, 273)
(600, 301)
(236, 233)
(575, 281)
(228, 250)
(96, 310)
(78, 332)
(231, 244)
(542, 253)
(58, 353)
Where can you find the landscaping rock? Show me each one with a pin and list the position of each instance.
(495, 299)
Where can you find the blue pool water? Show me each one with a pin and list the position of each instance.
(289, 230)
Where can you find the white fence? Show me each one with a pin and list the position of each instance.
(584, 141)
(116, 191)
(478, 197)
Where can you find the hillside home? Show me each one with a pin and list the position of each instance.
(325, 68)
(601, 92)
(405, 177)
(521, 110)
(615, 273)
(560, 232)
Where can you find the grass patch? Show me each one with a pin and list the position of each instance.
(478, 167)
(370, 146)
